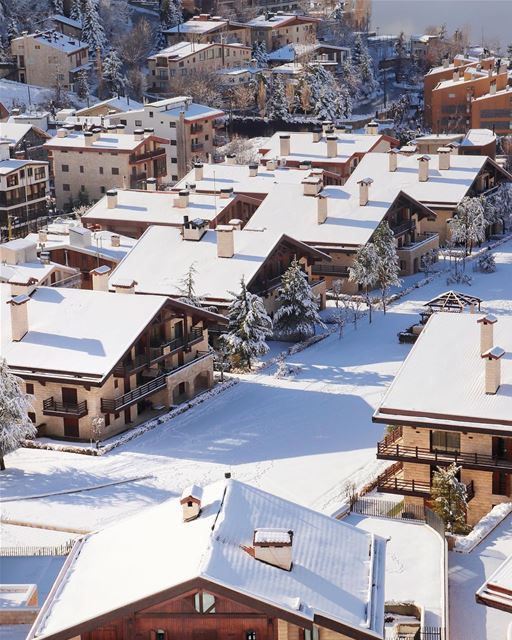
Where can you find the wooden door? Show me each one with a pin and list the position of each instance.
(71, 428)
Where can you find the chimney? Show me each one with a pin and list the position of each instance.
(42, 236)
(444, 154)
(236, 223)
(115, 240)
(138, 134)
(492, 88)
(182, 200)
(226, 192)
(151, 184)
(455, 76)
(5, 150)
(446, 63)
(253, 170)
(194, 229)
(191, 502)
(393, 159)
(317, 134)
(88, 138)
(364, 189)
(332, 146)
(62, 133)
(100, 277)
(372, 128)
(198, 171)
(270, 165)
(124, 285)
(312, 185)
(225, 241)
(96, 133)
(493, 369)
(19, 316)
(274, 546)
(327, 127)
(486, 332)
(22, 287)
(230, 158)
(423, 168)
(284, 144)
(149, 130)
(321, 208)
(111, 199)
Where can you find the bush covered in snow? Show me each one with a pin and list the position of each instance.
(286, 369)
(458, 278)
(487, 263)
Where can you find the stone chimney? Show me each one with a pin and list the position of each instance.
(364, 191)
(198, 171)
(455, 76)
(88, 138)
(270, 165)
(393, 159)
(372, 128)
(332, 146)
(317, 134)
(138, 134)
(492, 88)
(19, 316)
(115, 240)
(151, 184)
(194, 229)
(42, 236)
(182, 200)
(493, 369)
(487, 332)
(321, 208)
(190, 501)
(327, 126)
(62, 133)
(274, 547)
(423, 168)
(124, 285)
(284, 144)
(253, 170)
(236, 223)
(312, 185)
(111, 199)
(444, 155)
(226, 192)
(230, 158)
(225, 241)
(100, 277)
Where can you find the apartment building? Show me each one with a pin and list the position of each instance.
(449, 403)
(493, 111)
(206, 28)
(48, 58)
(86, 354)
(278, 29)
(280, 555)
(24, 190)
(85, 164)
(193, 130)
(476, 142)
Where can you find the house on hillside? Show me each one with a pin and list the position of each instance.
(225, 561)
(25, 140)
(450, 402)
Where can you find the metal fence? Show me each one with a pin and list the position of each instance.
(56, 550)
(388, 509)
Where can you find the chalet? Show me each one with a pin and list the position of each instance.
(276, 30)
(238, 563)
(107, 107)
(86, 355)
(25, 140)
(450, 402)
(67, 26)
(329, 56)
(220, 257)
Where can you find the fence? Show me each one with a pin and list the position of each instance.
(56, 550)
(388, 509)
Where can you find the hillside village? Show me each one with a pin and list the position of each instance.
(256, 324)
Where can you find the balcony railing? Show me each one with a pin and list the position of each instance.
(420, 239)
(130, 367)
(197, 146)
(391, 482)
(195, 334)
(52, 407)
(141, 157)
(196, 128)
(403, 228)
(330, 270)
(397, 451)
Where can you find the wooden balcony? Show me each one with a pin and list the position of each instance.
(399, 229)
(149, 155)
(52, 407)
(330, 270)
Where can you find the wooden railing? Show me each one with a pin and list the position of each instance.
(52, 407)
(139, 157)
(403, 228)
(330, 269)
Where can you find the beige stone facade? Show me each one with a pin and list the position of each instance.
(278, 31)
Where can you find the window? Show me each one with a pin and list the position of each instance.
(311, 634)
(173, 143)
(115, 171)
(65, 187)
(204, 602)
(174, 178)
(82, 187)
(116, 384)
(29, 388)
(138, 123)
(160, 634)
(123, 122)
(501, 483)
(174, 160)
(151, 114)
(101, 171)
(29, 172)
(448, 441)
(250, 635)
(65, 168)
(12, 181)
(103, 189)
(116, 416)
(81, 168)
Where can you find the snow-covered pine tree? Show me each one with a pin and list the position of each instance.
(449, 498)
(357, 50)
(57, 6)
(82, 85)
(171, 13)
(76, 10)
(389, 263)
(365, 271)
(487, 263)
(328, 98)
(12, 28)
(92, 28)
(187, 287)
(15, 425)
(468, 225)
(260, 54)
(297, 313)
(249, 326)
(112, 73)
(502, 204)
(277, 105)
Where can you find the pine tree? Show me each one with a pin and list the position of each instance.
(468, 226)
(92, 29)
(187, 287)
(357, 50)
(389, 263)
(112, 73)
(365, 271)
(277, 108)
(171, 13)
(57, 7)
(297, 313)
(259, 53)
(15, 425)
(82, 85)
(449, 498)
(328, 99)
(12, 28)
(248, 327)
(76, 10)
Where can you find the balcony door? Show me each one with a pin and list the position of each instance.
(69, 396)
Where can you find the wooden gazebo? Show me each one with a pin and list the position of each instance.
(453, 302)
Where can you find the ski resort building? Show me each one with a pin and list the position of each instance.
(224, 561)
(278, 29)
(451, 402)
(86, 355)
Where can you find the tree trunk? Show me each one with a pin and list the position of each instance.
(369, 303)
(2, 463)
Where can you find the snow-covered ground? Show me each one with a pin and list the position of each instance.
(302, 438)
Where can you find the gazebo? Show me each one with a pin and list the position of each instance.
(453, 302)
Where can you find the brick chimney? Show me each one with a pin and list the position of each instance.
(111, 199)
(225, 241)
(321, 208)
(198, 171)
(444, 155)
(332, 146)
(423, 162)
(190, 501)
(487, 332)
(19, 316)
(364, 191)
(393, 159)
(274, 547)
(493, 369)
(284, 144)
(100, 277)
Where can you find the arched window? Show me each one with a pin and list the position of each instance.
(250, 635)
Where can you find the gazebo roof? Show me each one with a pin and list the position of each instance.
(453, 301)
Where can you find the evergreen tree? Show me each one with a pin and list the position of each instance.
(389, 264)
(12, 28)
(248, 327)
(112, 73)
(362, 64)
(401, 56)
(171, 13)
(357, 50)
(82, 85)
(277, 106)
(92, 28)
(468, 225)
(449, 498)
(57, 7)
(259, 53)
(187, 287)
(297, 312)
(76, 10)
(365, 271)
(15, 425)
(329, 100)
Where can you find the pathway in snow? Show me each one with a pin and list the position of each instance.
(302, 438)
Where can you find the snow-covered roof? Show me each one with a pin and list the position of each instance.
(22, 272)
(57, 40)
(478, 138)
(173, 108)
(443, 378)
(490, 96)
(8, 166)
(278, 20)
(75, 330)
(303, 148)
(288, 52)
(497, 590)
(337, 573)
(14, 132)
(106, 141)
(118, 103)
(289, 68)
(198, 25)
(161, 258)
(185, 49)
(220, 176)
(156, 207)
(65, 20)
